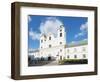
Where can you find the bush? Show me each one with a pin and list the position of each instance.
(73, 61)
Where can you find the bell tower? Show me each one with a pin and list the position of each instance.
(62, 35)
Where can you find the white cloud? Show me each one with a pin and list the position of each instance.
(79, 34)
(34, 35)
(51, 24)
(85, 39)
(84, 27)
(83, 30)
(73, 42)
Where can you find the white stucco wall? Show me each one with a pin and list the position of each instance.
(80, 51)
(59, 52)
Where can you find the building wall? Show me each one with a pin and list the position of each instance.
(51, 45)
(81, 52)
(59, 52)
(54, 51)
(50, 39)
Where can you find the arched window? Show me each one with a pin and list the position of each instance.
(60, 42)
(60, 34)
(60, 50)
(49, 38)
(49, 45)
(75, 56)
(68, 56)
(84, 55)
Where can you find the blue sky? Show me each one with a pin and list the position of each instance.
(75, 27)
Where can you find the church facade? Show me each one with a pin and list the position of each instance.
(57, 48)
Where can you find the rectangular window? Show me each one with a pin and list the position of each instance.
(84, 56)
(60, 34)
(49, 46)
(60, 42)
(49, 38)
(68, 56)
(75, 56)
(60, 50)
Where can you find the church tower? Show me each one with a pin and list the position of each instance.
(61, 35)
(61, 42)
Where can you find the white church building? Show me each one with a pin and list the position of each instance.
(57, 47)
